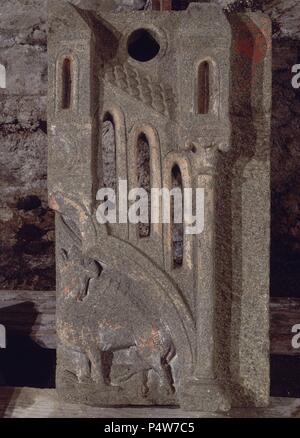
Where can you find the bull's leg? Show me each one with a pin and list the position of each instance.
(161, 364)
(166, 364)
(94, 355)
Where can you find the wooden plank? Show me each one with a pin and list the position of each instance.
(44, 403)
(33, 313)
(30, 313)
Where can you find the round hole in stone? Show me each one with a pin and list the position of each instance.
(142, 45)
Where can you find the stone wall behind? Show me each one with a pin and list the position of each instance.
(27, 224)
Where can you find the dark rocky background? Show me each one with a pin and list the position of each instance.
(27, 224)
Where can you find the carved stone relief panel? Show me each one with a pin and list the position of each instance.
(154, 315)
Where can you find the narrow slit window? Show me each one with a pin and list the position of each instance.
(203, 88)
(2, 76)
(177, 231)
(144, 179)
(66, 83)
(156, 5)
(109, 165)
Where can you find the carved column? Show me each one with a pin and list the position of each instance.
(205, 301)
(203, 389)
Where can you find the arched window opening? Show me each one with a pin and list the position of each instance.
(144, 179)
(177, 232)
(2, 76)
(66, 83)
(203, 88)
(109, 165)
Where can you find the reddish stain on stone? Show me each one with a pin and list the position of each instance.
(66, 290)
(253, 42)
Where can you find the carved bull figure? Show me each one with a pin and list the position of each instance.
(105, 318)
